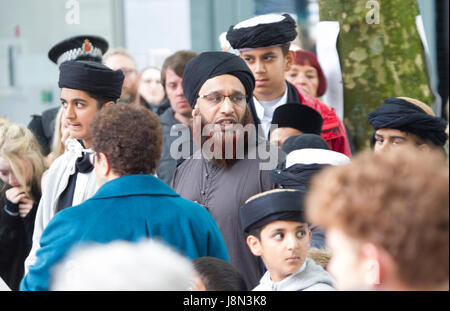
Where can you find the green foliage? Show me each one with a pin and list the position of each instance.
(377, 60)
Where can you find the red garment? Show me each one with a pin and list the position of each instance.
(333, 130)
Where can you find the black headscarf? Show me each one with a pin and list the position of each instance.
(91, 77)
(399, 114)
(302, 141)
(208, 65)
(300, 117)
(263, 34)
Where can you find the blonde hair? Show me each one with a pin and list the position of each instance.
(3, 121)
(57, 147)
(18, 143)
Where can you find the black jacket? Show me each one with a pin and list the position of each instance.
(16, 236)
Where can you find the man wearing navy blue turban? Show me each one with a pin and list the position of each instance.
(218, 85)
(402, 121)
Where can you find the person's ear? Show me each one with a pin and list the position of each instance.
(371, 265)
(108, 104)
(289, 60)
(102, 165)
(255, 245)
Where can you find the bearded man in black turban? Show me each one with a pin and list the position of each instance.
(218, 85)
(406, 121)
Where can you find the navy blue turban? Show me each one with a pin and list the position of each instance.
(262, 31)
(208, 65)
(399, 114)
(283, 205)
(91, 77)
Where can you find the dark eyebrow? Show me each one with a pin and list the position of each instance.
(278, 230)
(78, 100)
(397, 137)
(73, 100)
(271, 53)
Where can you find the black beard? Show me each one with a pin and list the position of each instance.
(222, 139)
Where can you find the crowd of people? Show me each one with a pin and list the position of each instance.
(219, 171)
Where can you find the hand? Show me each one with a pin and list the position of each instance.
(25, 206)
(196, 127)
(15, 194)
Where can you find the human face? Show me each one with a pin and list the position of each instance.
(279, 135)
(7, 175)
(79, 109)
(150, 86)
(387, 139)
(269, 66)
(283, 247)
(128, 67)
(345, 264)
(304, 77)
(227, 112)
(174, 91)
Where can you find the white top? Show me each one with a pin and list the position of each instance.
(318, 156)
(265, 110)
(3, 286)
(310, 277)
(54, 182)
(261, 19)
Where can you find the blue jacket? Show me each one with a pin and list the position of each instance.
(127, 208)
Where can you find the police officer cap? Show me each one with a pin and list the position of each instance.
(84, 47)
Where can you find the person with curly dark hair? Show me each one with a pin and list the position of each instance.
(130, 204)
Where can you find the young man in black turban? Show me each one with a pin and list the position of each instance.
(263, 43)
(86, 87)
(83, 47)
(218, 86)
(401, 121)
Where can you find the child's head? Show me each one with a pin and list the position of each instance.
(214, 274)
(277, 230)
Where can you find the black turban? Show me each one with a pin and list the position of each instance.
(302, 141)
(91, 77)
(298, 116)
(263, 31)
(399, 114)
(208, 65)
(283, 205)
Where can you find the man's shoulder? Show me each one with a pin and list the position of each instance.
(167, 118)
